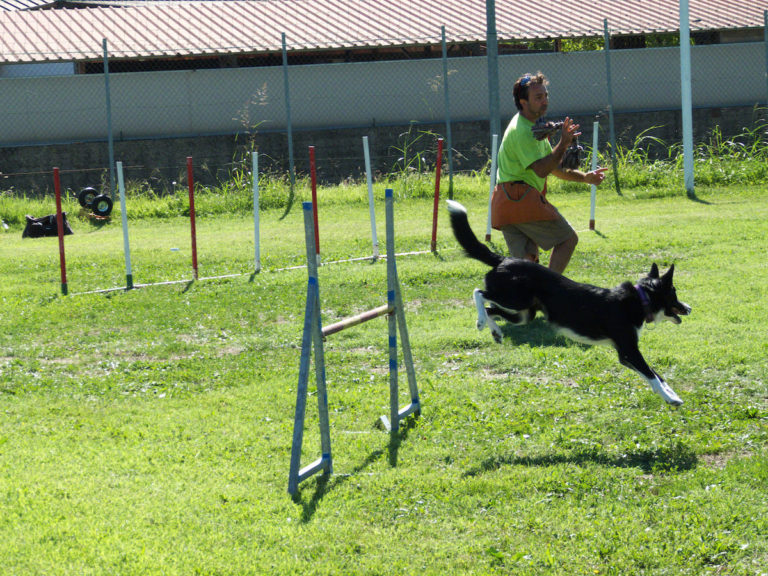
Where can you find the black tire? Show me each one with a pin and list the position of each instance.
(86, 197)
(102, 205)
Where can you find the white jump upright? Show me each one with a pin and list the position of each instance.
(124, 220)
(314, 335)
(369, 180)
(256, 209)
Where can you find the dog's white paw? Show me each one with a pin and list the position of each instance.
(495, 330)
(663, 389)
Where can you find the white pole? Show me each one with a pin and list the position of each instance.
(369, 178)
(255, 173)
(685, 89)
(593, 188)
(494, 150)
(124, 217)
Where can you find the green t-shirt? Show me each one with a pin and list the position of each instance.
(518, 150)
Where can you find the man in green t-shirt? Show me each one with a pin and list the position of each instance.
(523, 214)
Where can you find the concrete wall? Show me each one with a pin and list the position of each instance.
(159, 118)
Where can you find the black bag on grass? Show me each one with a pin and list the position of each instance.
(45, 226)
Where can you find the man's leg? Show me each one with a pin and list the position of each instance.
(520, 245)
(561, 254)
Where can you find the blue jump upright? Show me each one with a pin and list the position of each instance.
(314, 335)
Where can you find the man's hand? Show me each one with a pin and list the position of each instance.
(595, 177)
(568, 132)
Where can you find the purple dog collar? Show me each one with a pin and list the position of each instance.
(646, 303)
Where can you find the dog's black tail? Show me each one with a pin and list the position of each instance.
(467, 239)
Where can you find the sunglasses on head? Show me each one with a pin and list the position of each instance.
(525, 80)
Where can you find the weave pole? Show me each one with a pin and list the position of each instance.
(191, 182)
(438, 169)
(257, 249)
(494, 157)
(124, 220)
(593, 188)
(60, 229)
(314, 335)
(369, 180)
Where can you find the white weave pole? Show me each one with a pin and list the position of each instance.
(255, 173)
(369, 178)
(593, 187)
(494, 154)
(124, 220)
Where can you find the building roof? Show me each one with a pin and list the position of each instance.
(23, 4)
(136, 30)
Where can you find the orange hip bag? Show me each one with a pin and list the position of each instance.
(518, 202)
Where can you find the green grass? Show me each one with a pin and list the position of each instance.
(149, 431)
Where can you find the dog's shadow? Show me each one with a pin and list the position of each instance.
(536, 333)
(674, 458)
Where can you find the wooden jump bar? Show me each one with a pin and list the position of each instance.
(359, 319)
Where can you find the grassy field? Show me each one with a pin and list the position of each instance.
(149, 431)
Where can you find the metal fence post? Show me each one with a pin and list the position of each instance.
(687, 99)
(447, 114)
(110, 143)
(608, 81)
(493, 67)
(288, 114)
(765, 41)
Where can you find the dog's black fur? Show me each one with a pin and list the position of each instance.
(516, 289)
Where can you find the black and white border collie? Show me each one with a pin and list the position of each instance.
(516, 290)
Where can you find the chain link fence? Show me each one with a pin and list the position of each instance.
(153, 114)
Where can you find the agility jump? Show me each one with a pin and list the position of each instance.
(314, 335)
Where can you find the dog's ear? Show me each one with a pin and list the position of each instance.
(654, 271)
(667, 278)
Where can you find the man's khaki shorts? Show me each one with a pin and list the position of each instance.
(524, 239)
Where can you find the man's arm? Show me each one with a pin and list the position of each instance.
(595, 177)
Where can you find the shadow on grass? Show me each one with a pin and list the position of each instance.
(537, 333)
(325, 483)
(396, 438)
(692, 196)
(291, 197)
(676, 457)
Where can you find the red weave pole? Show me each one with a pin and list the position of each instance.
(438, 169)
(60, 226)
(191, 181)
(313, 174)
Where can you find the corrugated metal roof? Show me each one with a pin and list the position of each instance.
(23, 4)
(170, 29)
